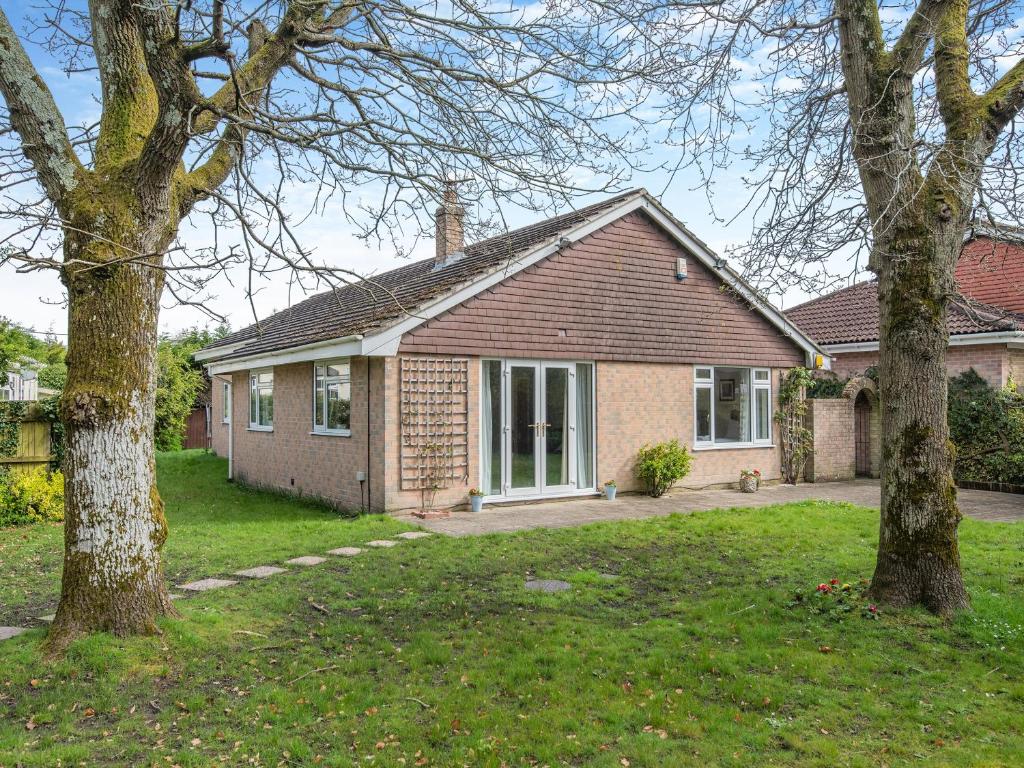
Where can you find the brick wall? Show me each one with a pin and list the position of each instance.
(832, 423)
(991, 361)
(1016, 366)
(641, 403)
(218, 429)
(290, 458)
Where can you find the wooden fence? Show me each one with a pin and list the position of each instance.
(33, 449)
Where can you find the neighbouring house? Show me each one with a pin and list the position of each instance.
(986, 333)
(22, 384)
(986, 326)
(534, 364)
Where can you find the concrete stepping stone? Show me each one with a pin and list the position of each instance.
(306, 560)
(345, 551)
(260, 572)
(6, 633)
(48, 618)
(205, 585)
(547, 585)
(413, 535)
(381, 543)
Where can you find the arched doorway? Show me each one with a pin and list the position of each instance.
(862, 434)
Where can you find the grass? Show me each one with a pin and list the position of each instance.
(432, 653)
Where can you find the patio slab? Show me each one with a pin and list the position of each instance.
(306, 560)
(547, 585)
(6, 633)
(566, 513)
(260, 572)
(205, 585)
(414, 535)
(381, 543)
(345, 551)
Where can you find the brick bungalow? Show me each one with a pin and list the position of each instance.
(986, 326)
(533, 364)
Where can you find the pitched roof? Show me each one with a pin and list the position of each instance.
(851, 315)
(374, 302)
(991, 269)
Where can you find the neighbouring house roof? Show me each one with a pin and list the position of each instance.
(851, 314)
(401, 298)
(991, 268)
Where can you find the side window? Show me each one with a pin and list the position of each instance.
(332, 397)
(261, 400)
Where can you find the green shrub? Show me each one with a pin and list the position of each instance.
(987, 427)
(660, 466)
(31, 497)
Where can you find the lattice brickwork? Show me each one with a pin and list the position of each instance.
(434, 396)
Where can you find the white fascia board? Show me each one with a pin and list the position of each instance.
(386, 342)
(349, 346)
(1012, 338)
(216, 352)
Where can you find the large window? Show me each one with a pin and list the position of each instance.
(332, 397)
(732, 406)
(261, 400)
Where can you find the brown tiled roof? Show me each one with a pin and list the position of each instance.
(991, 269)
(851, 315)
(378, 300)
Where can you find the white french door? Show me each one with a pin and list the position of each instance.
(545, 445)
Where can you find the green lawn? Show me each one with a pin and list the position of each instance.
(432, 653)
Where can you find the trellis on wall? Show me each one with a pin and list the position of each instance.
(434, 395)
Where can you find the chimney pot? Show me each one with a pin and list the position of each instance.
(450, 237)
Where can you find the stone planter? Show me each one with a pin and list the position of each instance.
(476, 503)
(609, 491)
(748, 484)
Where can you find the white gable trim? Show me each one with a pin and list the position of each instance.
(385, 343)
(1013, 339)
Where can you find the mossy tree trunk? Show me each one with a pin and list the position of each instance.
(918, 220)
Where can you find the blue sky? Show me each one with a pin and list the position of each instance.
(34, 299)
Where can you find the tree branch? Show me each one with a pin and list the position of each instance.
(34, 115)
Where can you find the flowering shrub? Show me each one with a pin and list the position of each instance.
(835, 599)
(755, 473)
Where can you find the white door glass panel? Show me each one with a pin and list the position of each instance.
(523, 435)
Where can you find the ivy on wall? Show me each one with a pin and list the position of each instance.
(987, 426)
(11, 415)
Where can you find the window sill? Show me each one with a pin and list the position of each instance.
(251, 428)
(731, 446)
(334, 433)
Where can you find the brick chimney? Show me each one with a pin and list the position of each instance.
(449, 240)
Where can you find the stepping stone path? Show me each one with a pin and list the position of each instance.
(260, 572)
(306, 560)
(204, 585)
(48, 619)
(381, 543)
(547, 585)
(6, 633)
(345, 551)
(413, 535)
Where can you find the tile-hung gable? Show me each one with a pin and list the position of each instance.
(370, 316)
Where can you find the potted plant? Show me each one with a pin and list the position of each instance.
(750, 480)
(609, 490)
(476, 499)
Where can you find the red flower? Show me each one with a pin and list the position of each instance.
(833, 582)
(825, 588)
(873, 609)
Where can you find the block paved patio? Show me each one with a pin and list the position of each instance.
(982, 505)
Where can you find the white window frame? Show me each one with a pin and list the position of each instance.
(321, 429)
(708, 383)
(254, 391)
(225, 409)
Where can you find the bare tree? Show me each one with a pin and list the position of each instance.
(870, 128)
(222, 108)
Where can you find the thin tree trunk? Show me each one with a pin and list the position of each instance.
(114, 521)
(918, 554)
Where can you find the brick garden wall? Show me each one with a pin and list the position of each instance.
(832, 423)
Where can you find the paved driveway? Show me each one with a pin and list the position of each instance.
(983, 505)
